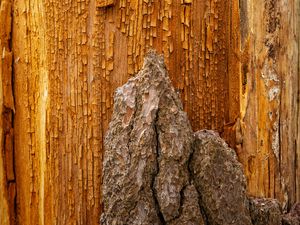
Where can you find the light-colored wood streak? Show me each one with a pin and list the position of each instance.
(7, 173)
(270, 99)
(30, 91)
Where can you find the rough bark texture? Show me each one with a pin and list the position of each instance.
(145, 169)
(235, 65)
(293, 217)
(157, 171)
(265, 212)
(150, 150)
(220, 180)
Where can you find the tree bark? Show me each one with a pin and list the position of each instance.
(234, 63)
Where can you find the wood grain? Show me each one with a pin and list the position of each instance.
(270, 99)
(235, 65)
(7, 173)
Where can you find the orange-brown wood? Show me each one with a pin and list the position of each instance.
(7, 173)
(234, 63)
(270, 99)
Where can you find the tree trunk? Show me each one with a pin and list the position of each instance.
(234, 63)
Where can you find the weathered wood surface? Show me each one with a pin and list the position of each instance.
(234, 63)
(7, 173)
(270, 98)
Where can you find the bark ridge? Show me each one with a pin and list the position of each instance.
(157, 171)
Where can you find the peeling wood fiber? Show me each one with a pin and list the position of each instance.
(7, 172)
(234, 63)
(270, 99)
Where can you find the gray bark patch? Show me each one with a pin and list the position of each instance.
(157, 171)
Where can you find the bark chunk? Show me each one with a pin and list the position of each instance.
(265, 211)
(219, 179)
(293, 217)
(145, 169)
(156, 171)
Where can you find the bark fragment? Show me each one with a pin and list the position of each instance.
(157, 171)
(265, 211)
(219, 179)
(293, 217)
(191, 212)
(147, 149)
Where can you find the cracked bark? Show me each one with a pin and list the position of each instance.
(293, 217)
(151, 160)
(265, 211)
(157, 171)
(69, 56)
(145, 169)
(219, 178)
